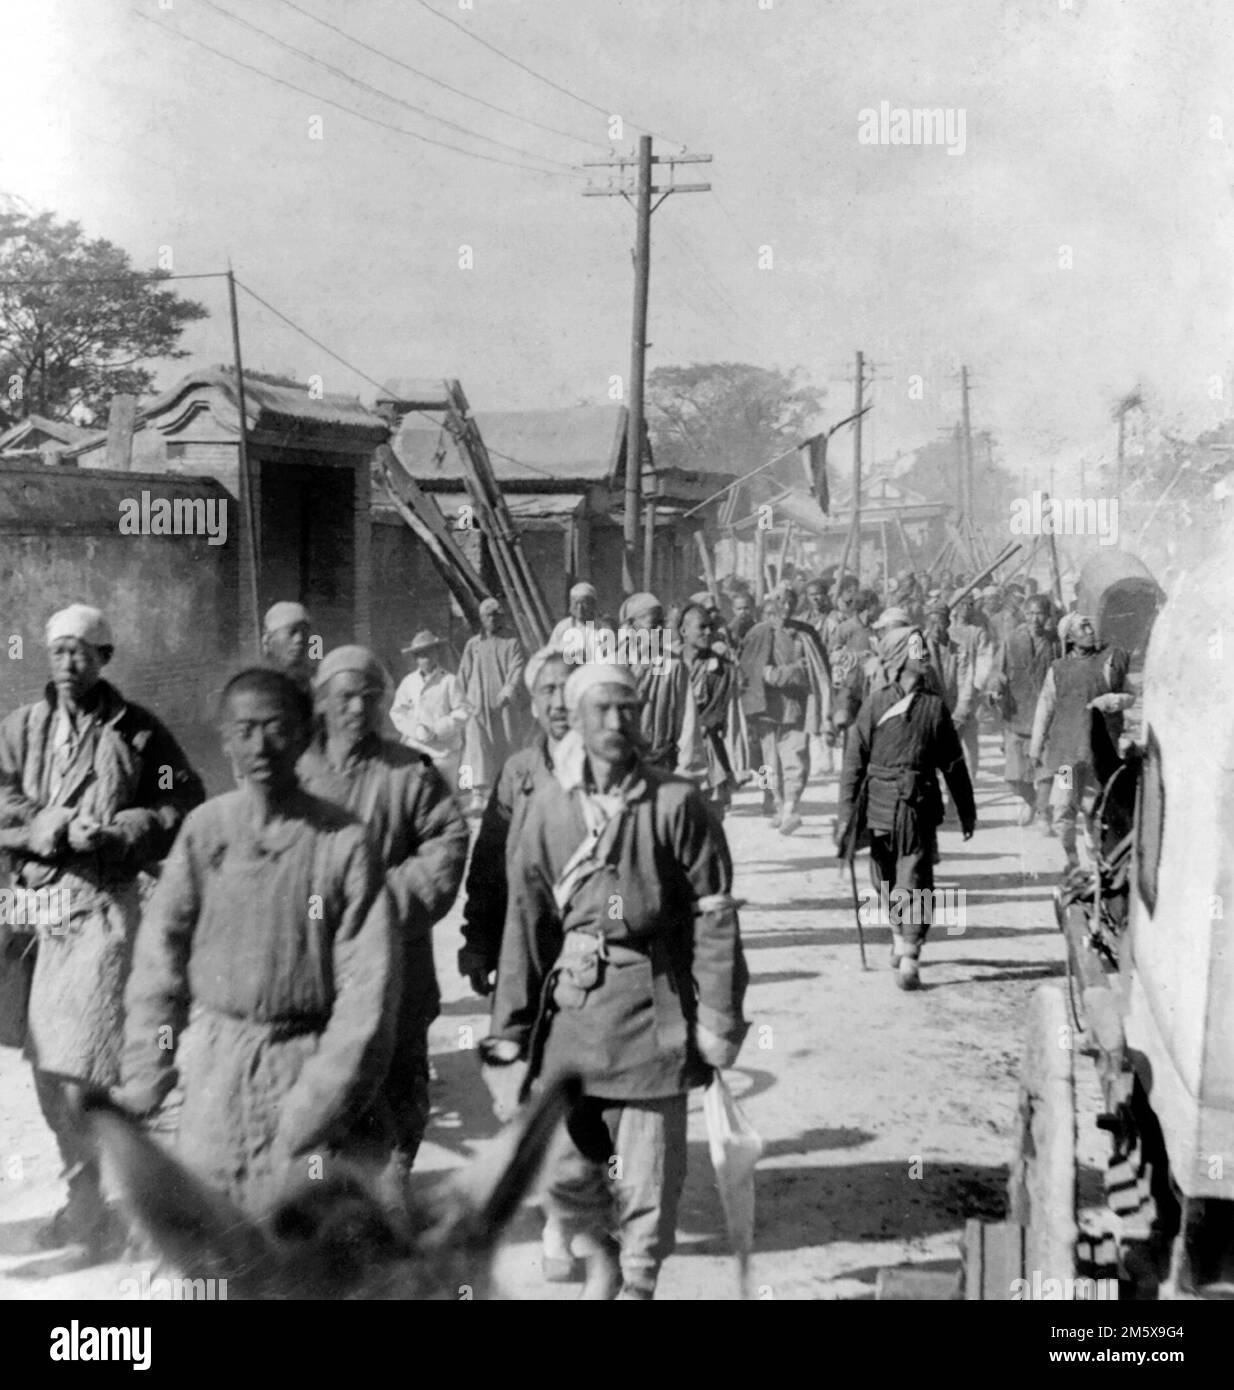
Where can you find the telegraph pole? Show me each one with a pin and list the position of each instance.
(643, 188)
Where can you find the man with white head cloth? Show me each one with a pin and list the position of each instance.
(421, 838)
(286, 639)
(93, 790)
(582, 611)
(621, 960)
(491, 676)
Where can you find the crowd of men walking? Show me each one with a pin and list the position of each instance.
(253, 974)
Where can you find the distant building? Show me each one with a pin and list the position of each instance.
(36, 439)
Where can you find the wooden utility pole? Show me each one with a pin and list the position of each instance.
(248, 521)
(643, 208)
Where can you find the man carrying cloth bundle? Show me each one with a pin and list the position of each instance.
(621, 960)
(889, 790)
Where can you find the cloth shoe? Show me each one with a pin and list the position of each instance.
(907, 975)
(789, 822)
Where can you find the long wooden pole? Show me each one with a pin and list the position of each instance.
(638, 360)
(252, 545)
(1000, 559)
(709, 573)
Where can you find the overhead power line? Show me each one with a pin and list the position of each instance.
(438, 82)
(364, 376)
(349, 110)
(111, 279)
(377, 91)
(539, 76)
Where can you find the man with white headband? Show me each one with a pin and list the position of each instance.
(93, 790)
(421, 839)
(621, 961)
(286, 640)
(491, 677)
(582, 611)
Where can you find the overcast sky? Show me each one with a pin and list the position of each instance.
(1107, 128)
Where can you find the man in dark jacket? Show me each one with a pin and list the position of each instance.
(501, 825)
(421, 839)
(621, 961)
(889, 788)
(777, 690)
(1023, 663)
(92, 791)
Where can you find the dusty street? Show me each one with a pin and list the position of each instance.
(887, 1116)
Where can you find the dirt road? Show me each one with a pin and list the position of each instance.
(887, 1116)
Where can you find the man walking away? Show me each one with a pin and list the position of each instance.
(622, 961)
(902, 735)
(92, 791)
(491, 677)
(421, 839)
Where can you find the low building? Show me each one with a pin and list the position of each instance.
(562, 473)
(310, 491)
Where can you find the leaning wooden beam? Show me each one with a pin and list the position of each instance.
(427, 524)
(709, 573)
(503, 535)
(999, 560)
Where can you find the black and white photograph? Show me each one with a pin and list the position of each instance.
(613, 685)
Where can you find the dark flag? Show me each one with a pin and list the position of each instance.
(814, 456)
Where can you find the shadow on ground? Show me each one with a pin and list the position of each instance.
(805, 1206)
